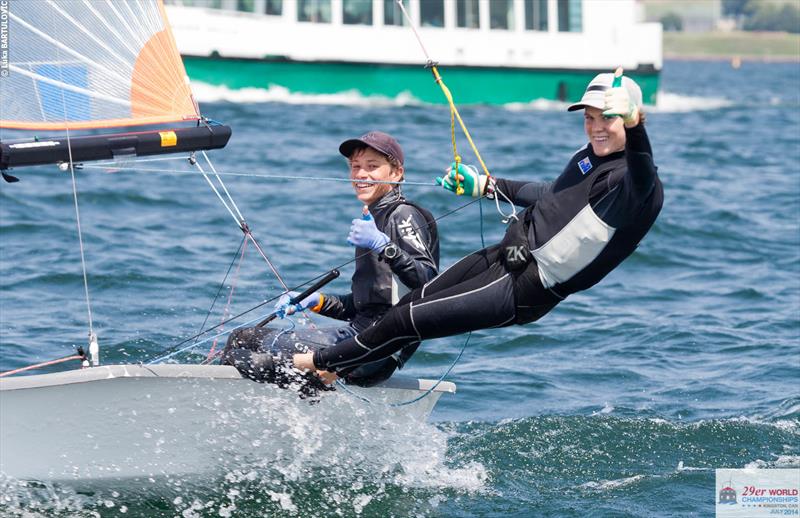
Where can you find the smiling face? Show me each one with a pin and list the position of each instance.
(607, 135)
(368, 164)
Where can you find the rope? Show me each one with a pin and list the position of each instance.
(230, 298)
(222, 284)
(242, 247)
(299, 286)
(43, 364)
(421, 396)
(238, 217)
(95, 358)
(271, 176)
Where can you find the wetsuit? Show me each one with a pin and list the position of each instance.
(377, 284)
(572, 233)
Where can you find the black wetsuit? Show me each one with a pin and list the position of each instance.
(377, 284)
(573, 232)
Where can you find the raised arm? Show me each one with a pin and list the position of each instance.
(639, 155)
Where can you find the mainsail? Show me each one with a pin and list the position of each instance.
(94, 64)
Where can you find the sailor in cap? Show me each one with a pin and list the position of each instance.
(573, 232)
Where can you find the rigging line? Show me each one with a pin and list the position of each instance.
(177, 349)
(43, 364)
(264, 256)
(222, 184)
(239, 222)
(454, 113)
(110, 165)
(299, 286)
(77, 209)
(230, 298)
(421, 396)
(222, 284)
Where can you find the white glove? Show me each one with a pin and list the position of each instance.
(618, 103)
(469, 179)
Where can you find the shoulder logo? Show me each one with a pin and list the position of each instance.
(585, 165)
(409, 234)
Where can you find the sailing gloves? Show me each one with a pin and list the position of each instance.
(364, 234)
(474, 183)
(618, 103)
(283, 308)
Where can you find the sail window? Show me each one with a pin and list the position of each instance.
(392, 15)
(431, 13)
(536, 15)
(357, 12)
(468, 14)
(274, 7)
(316, 11)
(59, 103)
(569, 16)
(501, 14)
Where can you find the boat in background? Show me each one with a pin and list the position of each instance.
(490, 52)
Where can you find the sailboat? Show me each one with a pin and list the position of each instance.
(120, 68)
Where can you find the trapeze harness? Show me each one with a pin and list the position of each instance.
(577, 231)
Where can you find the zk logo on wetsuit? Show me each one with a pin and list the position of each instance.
(410, 235)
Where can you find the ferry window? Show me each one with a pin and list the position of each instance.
(213, 4)
(501, 14)
(245, 5)
(274, 7)
(318, 11)
(392, 15)
(467, 14)
(536, 15)
(431, 13)
(357, 12)
(569, 16)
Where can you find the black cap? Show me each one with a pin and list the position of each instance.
(377, 140)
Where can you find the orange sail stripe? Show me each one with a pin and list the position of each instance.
(159, 85)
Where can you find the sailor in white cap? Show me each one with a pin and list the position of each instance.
(573, 232)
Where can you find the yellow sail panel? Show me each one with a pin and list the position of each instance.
(92, 64)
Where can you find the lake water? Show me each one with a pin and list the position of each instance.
(621, 402)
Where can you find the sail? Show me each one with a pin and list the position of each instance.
(83, 64)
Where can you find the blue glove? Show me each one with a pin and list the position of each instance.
(283, 309)
(364, 234)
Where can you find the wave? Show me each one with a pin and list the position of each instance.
(666, 102)
(205, 92)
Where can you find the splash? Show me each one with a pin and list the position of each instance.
(337, 456)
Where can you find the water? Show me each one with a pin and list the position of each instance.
(621, 402)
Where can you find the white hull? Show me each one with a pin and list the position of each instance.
(129, 421)
(610, 37)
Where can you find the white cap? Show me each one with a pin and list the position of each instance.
(595, 94)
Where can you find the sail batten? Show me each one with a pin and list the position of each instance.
(92, 64)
